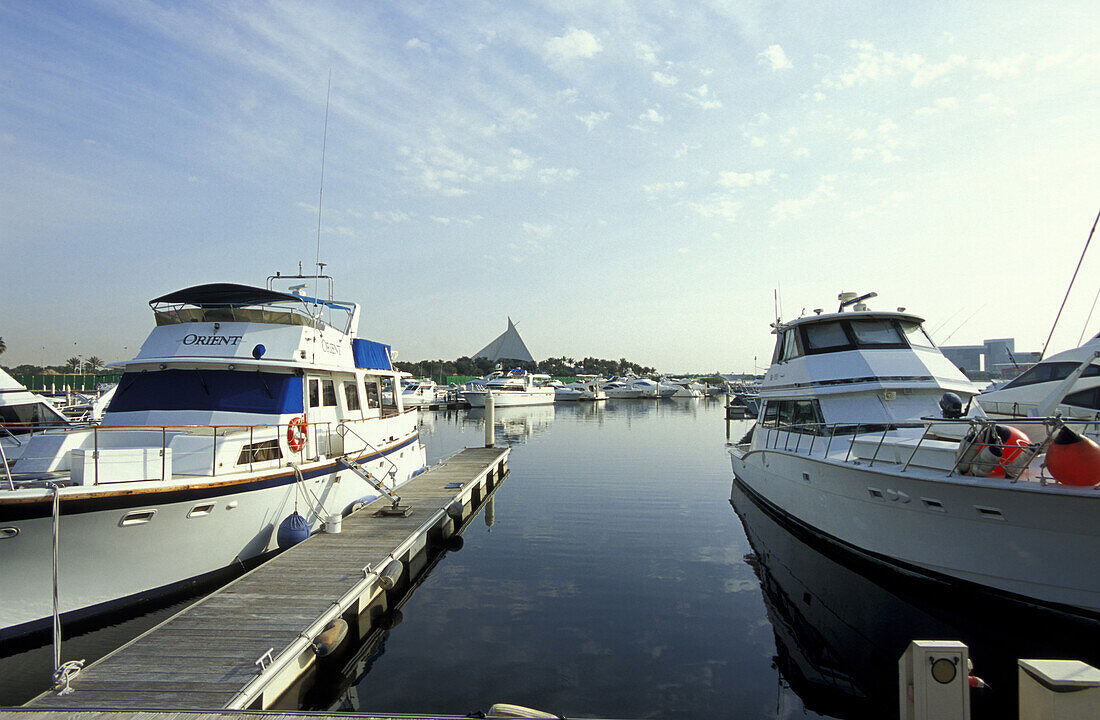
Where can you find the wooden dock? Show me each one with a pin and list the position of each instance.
(245, 645)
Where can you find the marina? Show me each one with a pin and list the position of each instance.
(607, 586)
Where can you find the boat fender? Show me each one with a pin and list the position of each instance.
(1074, 459)
(504, 710)
(293, 530)
(390, 575)
(987, 460)
(1013, 441)
(967, 451)
(331, 637)
(296, 433)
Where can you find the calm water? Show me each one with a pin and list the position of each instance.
(616, 580)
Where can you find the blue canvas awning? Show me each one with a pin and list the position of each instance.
(371, 355)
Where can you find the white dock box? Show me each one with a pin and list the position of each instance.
(1059, 690)
(120, 465)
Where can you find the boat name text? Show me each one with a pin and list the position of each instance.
(194, 339)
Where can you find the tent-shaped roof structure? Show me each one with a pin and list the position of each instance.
(508, 346)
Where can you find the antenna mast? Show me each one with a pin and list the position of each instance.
(1063, 306)
(321, 192)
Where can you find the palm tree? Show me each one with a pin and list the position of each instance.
(3, 346)
(73, 364)
(94, 364)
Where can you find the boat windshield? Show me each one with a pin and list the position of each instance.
(829, 336)
(209, 390)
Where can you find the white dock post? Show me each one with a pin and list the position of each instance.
(490, 421)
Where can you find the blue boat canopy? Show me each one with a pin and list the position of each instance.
(370, 355)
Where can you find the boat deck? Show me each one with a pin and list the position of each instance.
(246, 644)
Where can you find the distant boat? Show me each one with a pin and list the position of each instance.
(867, 439)
(518, 387)
(421, 393)
(22, 413)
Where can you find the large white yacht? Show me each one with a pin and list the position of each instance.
(864, 441)
(517, 387)
(22, 413)
(248, 410)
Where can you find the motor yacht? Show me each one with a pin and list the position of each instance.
(517, 387)
(247, 410)
(23, 413)
(868, 439)
(420, 393)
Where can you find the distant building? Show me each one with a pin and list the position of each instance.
(507, 346)
(992, 359)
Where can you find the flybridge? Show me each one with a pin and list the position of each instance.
(230, 302)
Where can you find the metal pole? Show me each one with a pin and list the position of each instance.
(490, 420)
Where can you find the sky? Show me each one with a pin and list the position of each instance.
(650, 181)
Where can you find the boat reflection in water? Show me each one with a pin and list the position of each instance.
(514, 425)
(841, 623)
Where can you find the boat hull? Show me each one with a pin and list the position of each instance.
(510, 399)
(125, 547)
(1039, 546)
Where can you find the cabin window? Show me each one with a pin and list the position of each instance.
(916, 335)
(21, 419)
(208, 390)
(314, 393)
(825, 337)
(1045, 372)
(328, 393)
(351, 395)
(259, 452)
(876, 332)
(374, 393)
(798, 415)
(1085, 398)
(791, 347)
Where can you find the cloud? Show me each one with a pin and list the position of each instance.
(573, 44)
(786, 209)
(871, 65)
(775, 57)
(1003, 67)
(390, 216)
(701, 96)
(646, 53)
(549, 175)
(685, 148)
(925, 73)
(940, 104)
(663, 189)
(539, 231)
(418, 44)
(743, 180)
(593, 119)
(718, 206)
(441, 169)
(518, 120)
(651, 115)
(664, 80)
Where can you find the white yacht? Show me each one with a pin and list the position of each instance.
(621, 388)
(851, 446)
(22, 413)
(566, 393)
(517, 387)
(248, 411)
(1071, 378)
(420, 392)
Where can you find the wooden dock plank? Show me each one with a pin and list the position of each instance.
(203, 656)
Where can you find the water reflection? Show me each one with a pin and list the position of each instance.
(841, 624)
(514, 425)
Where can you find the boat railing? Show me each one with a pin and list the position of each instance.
(159, 452)
(343, 429)
(792, 437)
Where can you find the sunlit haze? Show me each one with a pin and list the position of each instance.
(637, 180)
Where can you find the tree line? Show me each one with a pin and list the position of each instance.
(558, 367)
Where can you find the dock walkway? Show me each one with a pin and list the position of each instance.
(246, 644)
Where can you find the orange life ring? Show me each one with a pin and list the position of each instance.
(296, 433)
